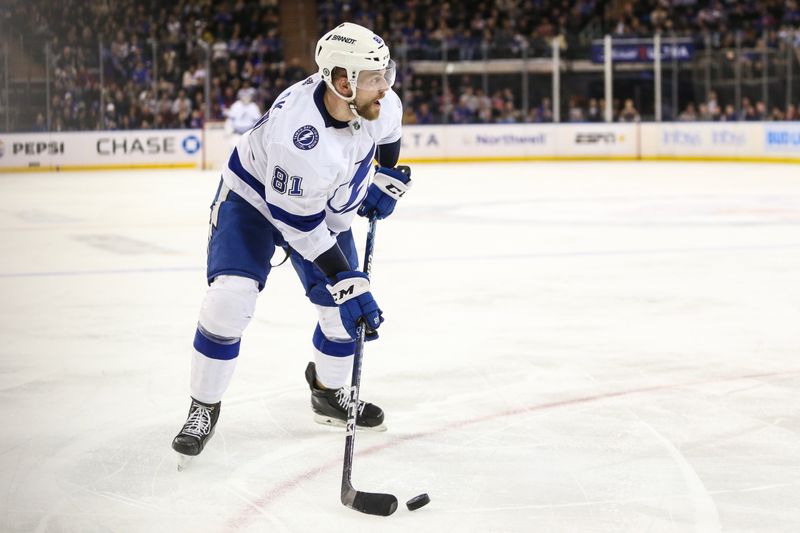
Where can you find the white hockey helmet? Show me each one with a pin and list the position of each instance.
(358, 51)
(246, 94)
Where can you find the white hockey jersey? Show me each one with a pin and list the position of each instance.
(242, 116)
(307, 172)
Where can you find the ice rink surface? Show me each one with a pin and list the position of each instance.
(568, 347)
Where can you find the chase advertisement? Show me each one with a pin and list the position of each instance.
(101, 150)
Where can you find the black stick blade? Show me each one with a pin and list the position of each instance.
(374, 503)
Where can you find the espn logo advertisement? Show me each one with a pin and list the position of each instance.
(598, 140)
(595, 138)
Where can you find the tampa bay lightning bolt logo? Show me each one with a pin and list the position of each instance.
(306, 137)
(349, 195)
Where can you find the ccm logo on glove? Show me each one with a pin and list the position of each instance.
(389, 181)
(350, 291)
(388, 185)
(348, 288)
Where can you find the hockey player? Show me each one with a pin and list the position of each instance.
(243, 114)
(296, 180)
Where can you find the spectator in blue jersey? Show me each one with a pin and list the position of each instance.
(424, 114)
(729, 115)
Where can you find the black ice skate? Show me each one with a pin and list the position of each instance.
(330, 406)
(199, 427)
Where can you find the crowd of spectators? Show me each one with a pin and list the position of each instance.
(128, 64)
(151, 58)
(465, 30)
(474, 106)
(713, 110)
(421, 29)
(433, 29)
(717, 21)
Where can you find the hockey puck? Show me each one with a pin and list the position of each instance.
(418, 501)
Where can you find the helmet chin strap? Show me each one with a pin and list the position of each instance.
(354, 110)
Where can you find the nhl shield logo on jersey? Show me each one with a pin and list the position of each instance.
(306, 137)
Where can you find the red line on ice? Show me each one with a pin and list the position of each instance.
(286, 486)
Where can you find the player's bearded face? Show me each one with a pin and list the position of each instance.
(368, 103)
(371, 87)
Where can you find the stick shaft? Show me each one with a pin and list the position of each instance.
(348, 492)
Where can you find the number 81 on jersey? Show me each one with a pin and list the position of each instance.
(281, 182)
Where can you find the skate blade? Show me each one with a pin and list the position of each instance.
(335, 422)
(184, 461)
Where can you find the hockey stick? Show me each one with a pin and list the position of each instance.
(366, 502)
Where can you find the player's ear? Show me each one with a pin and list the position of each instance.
(344, 87)
(341, 83)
